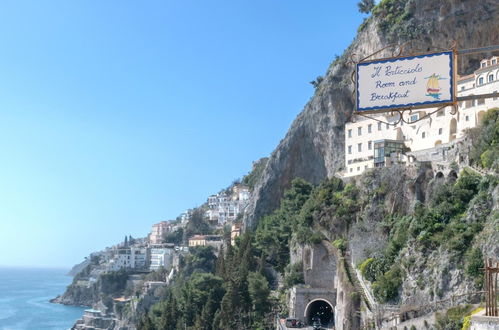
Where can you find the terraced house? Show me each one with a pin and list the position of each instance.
(370, 143)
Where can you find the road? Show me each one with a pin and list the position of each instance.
(282, 326)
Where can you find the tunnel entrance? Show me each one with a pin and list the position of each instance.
(322, 309)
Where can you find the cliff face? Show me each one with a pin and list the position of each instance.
(313, 148)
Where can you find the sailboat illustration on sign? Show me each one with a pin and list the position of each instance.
(432, 86)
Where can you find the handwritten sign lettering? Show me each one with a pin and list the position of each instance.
(413, 81)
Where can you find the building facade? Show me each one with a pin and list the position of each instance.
(158, 231)
(161, 257)
(370, 143)
(206, 240)
(129, 258)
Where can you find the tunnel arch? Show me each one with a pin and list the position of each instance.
(322, 308)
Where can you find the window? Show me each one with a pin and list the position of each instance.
(480, 101)
(414, 118)
(494, 62)
(351, 170)
(359, 130)
(365, 167)
(349, 150)
(467, 118)
(480, 81)
(495, 97)
(387, 126)
(440, 131)
(369, 128)
(358, 168)
(370, 145)
(462, 88)
(424, 135)
(349, 133)
(379, 126)
(359, 147)
(441, 113)
(483, 64)
(491, 78)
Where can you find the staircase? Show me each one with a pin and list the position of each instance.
(359, 286)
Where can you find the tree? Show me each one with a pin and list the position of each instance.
(259, 291)
(174, 237)
(317, 81)
(197, 225)
(365, 6)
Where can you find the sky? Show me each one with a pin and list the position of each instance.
(115, 115)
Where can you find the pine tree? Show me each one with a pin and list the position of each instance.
(220, 264)
(365, 6)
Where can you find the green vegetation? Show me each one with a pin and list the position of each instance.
(395, 19)
(273, 235)
(196, 225)
(365, 6)
(293, 275)
(474, 264)
(444, 222)
(485, 141)
(453, 318)
(316, 83)
(233, 291)
(229, 292)
(113, 282)
(175, 237)
(331, 206)
(252, 178)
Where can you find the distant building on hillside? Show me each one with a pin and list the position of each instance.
(158, 231)
(235, 232)
(161, 257)
(129, 258)
(226, 206)
(370, 143)
(206, 240)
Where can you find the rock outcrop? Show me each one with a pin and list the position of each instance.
(313, 148)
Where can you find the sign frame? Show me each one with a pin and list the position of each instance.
(452, 53)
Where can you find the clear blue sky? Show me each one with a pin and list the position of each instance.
(115, 115)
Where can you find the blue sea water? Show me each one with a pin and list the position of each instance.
(24, 300)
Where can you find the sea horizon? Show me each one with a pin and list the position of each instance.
(25, 301)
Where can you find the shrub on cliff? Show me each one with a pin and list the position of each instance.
(485, 141)
(386, 287)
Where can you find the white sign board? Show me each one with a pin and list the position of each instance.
(414, 81)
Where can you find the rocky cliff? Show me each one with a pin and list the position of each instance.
(313, 148)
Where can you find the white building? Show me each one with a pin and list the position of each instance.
(224, 207)
(369, 143)
(161, 257)
(129, 258)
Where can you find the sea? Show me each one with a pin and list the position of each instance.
(25, 295)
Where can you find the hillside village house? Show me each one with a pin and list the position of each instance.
(161, 257)
(369, 143)
(224, 207)
(129, 258)
(158, 231)
(206, 240)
